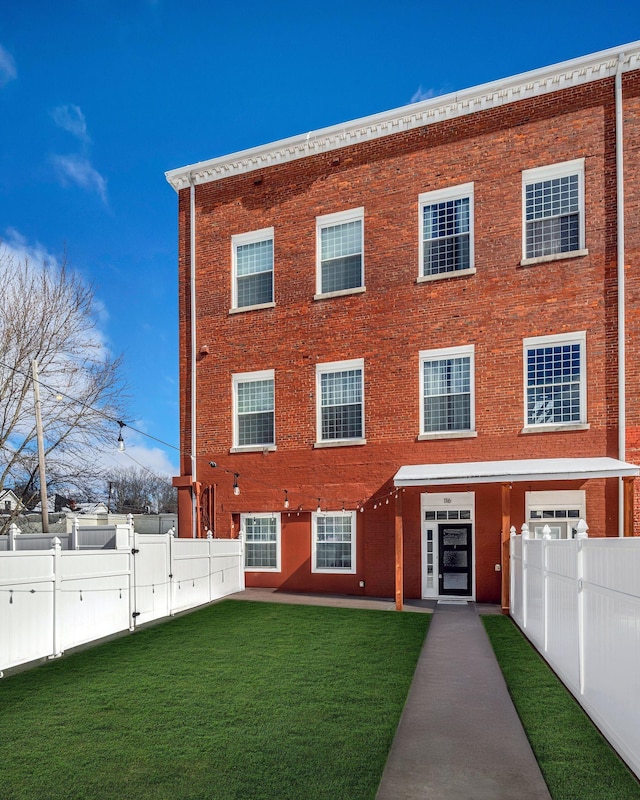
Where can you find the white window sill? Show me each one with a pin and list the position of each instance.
(340, 293)
(252, 308)
(333, 571)
(527, 262)
(425, 437)
(454, 273)
(254, 448)
(262, 569)
(556, 428)
(339, 443)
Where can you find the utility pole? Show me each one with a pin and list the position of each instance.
(40, 438)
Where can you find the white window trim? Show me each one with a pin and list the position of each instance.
(249, 238)
(553, 500)
(337, 366)
(449, 352)
(560, 170)
(579, 337)
(326, 221)
(439, 196)
(333, 570)
(247, 377)
(262, 515)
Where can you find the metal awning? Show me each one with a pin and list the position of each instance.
(531, 469)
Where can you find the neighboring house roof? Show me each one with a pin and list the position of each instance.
(8, 494)
(567, 74)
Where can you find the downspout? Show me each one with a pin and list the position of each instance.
(622, 421)
(192, 289)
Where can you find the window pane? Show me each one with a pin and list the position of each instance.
(333, 542)
(255, 412)
(446, 236)
(552, 210)
(341, 256)
(341, 402)
(254, 273)
(553, 384)
(447, 394)
(261, 542)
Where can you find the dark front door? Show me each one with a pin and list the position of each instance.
(455, 559)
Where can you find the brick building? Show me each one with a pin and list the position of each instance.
(403, 335)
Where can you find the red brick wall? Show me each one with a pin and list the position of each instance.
(396, 317)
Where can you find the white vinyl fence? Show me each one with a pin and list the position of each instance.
(54, 599)
(578, 601)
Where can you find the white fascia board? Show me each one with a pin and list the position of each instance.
(535, 469)
(575, 72)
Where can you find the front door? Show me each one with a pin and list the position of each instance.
(454, 575)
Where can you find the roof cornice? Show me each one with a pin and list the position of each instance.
(538, 82)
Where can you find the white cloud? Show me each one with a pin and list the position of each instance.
(70, 118)
(79, 170)
(17, 246)
(8, 71)
(422, 94)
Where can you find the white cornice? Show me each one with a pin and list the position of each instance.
(479, 98)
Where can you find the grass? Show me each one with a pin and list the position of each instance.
(237, 700)
(576, 761)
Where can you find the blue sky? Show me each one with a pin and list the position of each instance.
(98, 98)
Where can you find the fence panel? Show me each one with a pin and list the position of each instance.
(591, 627)
(27, 607)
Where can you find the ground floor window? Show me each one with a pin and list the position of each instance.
(561, 511)
(334, 542)
(261, 541)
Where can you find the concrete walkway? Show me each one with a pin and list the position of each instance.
(459, 736)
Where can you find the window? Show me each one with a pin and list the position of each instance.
(252, 269)
(340, 252)
(447, 391)
(560, 510)
(554, 368)
(339, 389)
(254, 410)
(553, 210)
(446, 231)
(334, 542)
(262, 541)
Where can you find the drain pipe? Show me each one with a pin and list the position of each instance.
(622, 421)
(192, 289)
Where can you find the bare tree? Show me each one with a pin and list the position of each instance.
(132, 491)
(48, 312)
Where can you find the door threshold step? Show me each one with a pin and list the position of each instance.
(453, 602)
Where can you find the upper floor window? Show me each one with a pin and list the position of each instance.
(261, 541)
(553, 199)
(340, 396)
(340, 260)
(252, 269)
(555, 380)
(446, 231)
(447, 391)
(254, 409)
(334, 542)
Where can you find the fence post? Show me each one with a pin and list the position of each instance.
(546, 538)
(132, 573)
(75, 534)
(56, 554)
(525, 573)
(512, 572)
(171, 583)
(14, 531)
(210, 552)
(581, 537)
(241, 583)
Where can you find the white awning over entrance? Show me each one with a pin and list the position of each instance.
(531, 469)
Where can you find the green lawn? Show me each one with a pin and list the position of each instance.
(237, 700)
(576, 761)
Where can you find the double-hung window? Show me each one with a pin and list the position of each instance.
(553, 210)
(340, 402)
(261, 541)
(446, 232)
(447, 392)
(340, 252)
(254, 410)
(555, 380)
(334, 542)
(252, 269)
